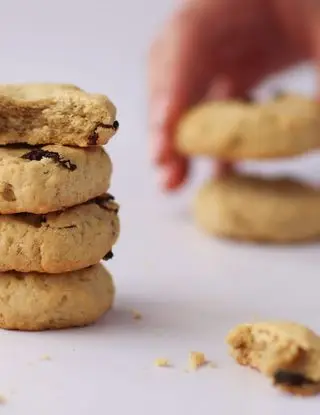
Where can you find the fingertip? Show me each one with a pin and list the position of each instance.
(174, 174)
(161, 148)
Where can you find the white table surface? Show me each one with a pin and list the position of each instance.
(189, 288)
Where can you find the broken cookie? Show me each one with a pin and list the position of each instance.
(286, 352)
(55, 114)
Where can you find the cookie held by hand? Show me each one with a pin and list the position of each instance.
(285, 126)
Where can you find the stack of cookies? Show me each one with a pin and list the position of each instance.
(56, 220)
(255, 208)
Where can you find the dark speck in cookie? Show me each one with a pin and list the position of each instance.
(284, 377)
(38, 154)
(93, 137)
(104, 198)
(103, 202)
(108, 256)
(31, 219)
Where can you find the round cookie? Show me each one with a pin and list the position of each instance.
(55, 114)
(34, 302)
(243, 207)
(60, 241)
(285, 126)
(50, 178)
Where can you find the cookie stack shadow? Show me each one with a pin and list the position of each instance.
(239, 206)
(57, 221)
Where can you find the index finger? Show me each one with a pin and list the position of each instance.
(177, 79)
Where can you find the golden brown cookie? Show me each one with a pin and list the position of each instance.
(285, 126)
(287, 352)
(35, 302)
(60, 241)
(50, 178)
(256, 209)
(55, 114)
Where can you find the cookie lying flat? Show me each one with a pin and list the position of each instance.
(287, 352)
(55, 114)
(256, 209)
(61, 241)
(283, 127)
(42, 180)
(35, 302)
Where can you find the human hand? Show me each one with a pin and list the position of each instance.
(220, 49)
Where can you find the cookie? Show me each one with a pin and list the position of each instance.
(55, 114)
(34, 302)
(287, 352)
(42, 180)
(256, 209)
(60, 241)
(285, 126)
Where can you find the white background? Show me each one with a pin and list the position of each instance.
(190, 289)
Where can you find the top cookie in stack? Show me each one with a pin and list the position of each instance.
(56, 220)
(38, 114)
(238, 206)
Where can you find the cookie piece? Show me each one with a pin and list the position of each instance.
(34, 302)
(50, 178)
(60, 241)
(287, 352)
(285, 126)
(55, 114)
(256, 209)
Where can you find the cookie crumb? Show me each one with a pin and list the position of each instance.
(161, 362)
(3, 400)
(212, 365)
(45, 357)
(196, 360)
(136, 315)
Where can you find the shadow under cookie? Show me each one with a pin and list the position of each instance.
(60, 241)
(35, 302)
(255, 209)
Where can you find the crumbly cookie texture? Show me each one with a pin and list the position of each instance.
(55, 114)
(162, 362)
(34, 302)
(136, 315)
(287, 352)
(256, 209)
(284, 126)
(60, 241)
(196, 360)
(50, 178)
